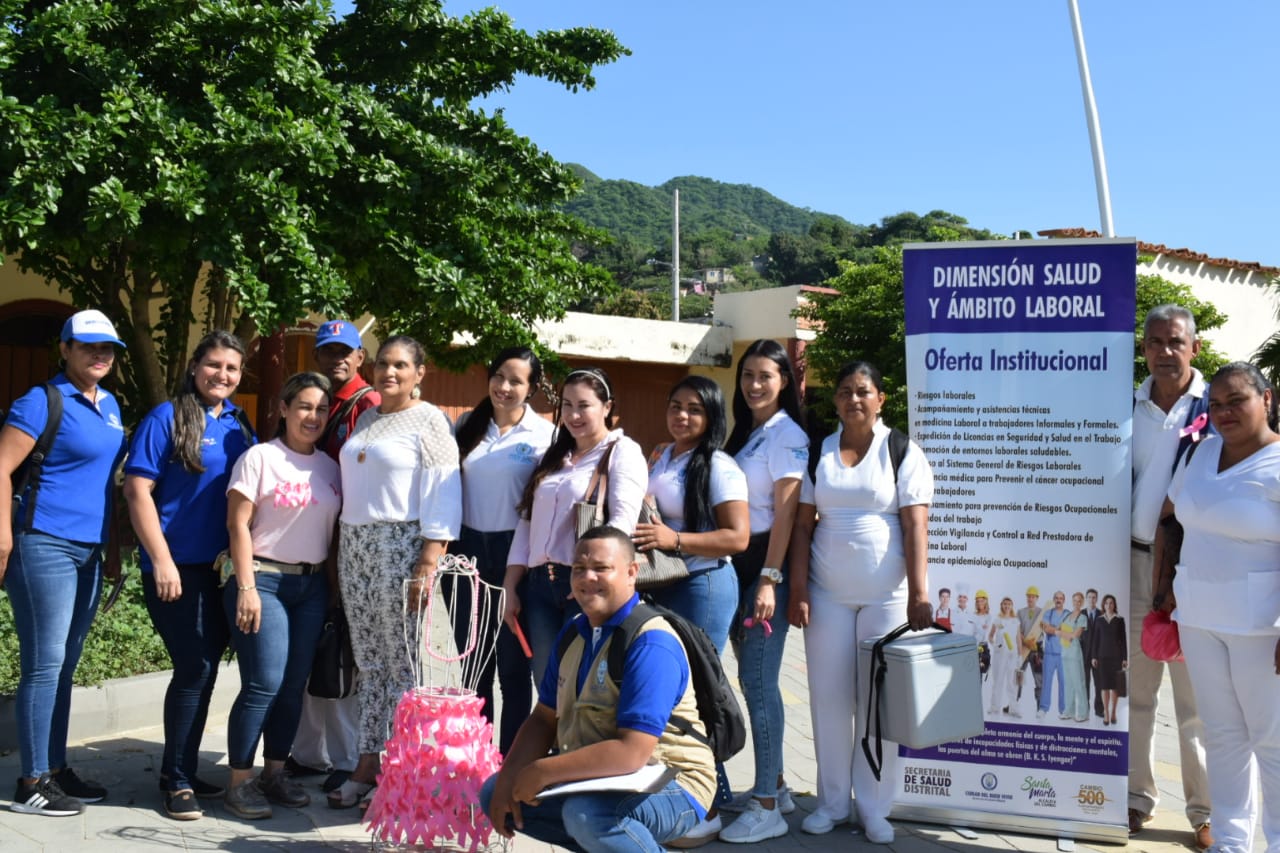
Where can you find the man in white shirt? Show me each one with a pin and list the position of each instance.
(1164, 407)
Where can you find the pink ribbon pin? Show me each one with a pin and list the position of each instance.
(1194, 428)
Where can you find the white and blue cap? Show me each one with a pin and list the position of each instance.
(338, 332)
(90, 327)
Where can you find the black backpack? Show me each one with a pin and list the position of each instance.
(717, 705)
(26, 478)
(898, 444)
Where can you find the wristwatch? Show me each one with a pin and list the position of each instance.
(771, 574)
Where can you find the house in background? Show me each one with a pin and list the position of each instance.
(1246, 292)
(643, 357)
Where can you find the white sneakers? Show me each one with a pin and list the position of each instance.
(878, 830)
(786, 803)
(818, 823)
(756, 824)
(705, 831)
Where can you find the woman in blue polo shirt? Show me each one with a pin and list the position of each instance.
(51, 559)
(176, 483)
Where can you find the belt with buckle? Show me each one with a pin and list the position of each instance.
(278, 568)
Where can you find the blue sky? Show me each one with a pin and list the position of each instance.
(866, 109)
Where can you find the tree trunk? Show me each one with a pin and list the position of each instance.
(148, 371)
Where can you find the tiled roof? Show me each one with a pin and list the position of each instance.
(1183, 254)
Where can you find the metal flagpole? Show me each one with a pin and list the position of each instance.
(675, 257)
(1095, 131)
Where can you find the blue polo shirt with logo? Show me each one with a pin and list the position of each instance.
(76, 485)
(192, 507)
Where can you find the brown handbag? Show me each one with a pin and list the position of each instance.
(657, 568)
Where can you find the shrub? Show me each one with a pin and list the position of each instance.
(122, 642)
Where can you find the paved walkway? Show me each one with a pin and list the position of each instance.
(132, 819)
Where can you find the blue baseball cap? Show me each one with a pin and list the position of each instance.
(90, 327)
(338, 332)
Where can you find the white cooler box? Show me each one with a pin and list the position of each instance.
(932, 689)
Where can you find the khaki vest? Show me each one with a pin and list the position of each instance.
(591, 717)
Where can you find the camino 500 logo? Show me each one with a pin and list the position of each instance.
(1091, 799)
(1040, 791)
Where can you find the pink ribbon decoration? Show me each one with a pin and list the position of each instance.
(440, 753)
(1194, 428)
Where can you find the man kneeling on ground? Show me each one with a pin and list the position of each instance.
(603, 729)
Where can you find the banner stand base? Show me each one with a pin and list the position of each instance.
(1047, 826)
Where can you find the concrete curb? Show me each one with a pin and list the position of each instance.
(120, 705)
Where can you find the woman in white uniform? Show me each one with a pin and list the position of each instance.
(858, 566)
(1227, 586)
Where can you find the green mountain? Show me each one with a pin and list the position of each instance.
(633, 211)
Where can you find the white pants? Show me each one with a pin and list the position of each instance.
(831, 650)
(327, 733)
(1238, 689)
(1145, 676)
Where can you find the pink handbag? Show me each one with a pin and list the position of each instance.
(1160, 637)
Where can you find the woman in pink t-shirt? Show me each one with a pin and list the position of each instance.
(284, 499)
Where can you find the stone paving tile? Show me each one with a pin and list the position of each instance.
(132, 818)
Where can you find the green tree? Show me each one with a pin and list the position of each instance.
(1267, 356)
(1154, 290)
(634, 303)
(799, 259)
(866, 320)
(277, 159)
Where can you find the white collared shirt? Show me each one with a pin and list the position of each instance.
(776, 450)
(1155, 444)
(496, 470)
(666, 484)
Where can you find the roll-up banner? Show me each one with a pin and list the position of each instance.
(1020, 362)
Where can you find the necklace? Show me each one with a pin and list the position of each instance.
(373, 432)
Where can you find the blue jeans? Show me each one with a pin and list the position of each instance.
(515, 676)
(606, 822)
(759, 665)
(274, 664)
(53, 586)
(546, 608)
(1053, 672)
(707, 599)
(194, 631)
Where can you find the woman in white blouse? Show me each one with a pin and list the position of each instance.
(499, 441)
(1227, 497)
(546, 532)
(858, 566)
(701, 497)
(402, 503)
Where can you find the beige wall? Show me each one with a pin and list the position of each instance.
(1247, 298)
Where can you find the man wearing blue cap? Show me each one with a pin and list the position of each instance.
(327, 732)
(339, 354)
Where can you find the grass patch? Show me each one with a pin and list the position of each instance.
(121, 643)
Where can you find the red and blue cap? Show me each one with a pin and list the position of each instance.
(338, 332)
